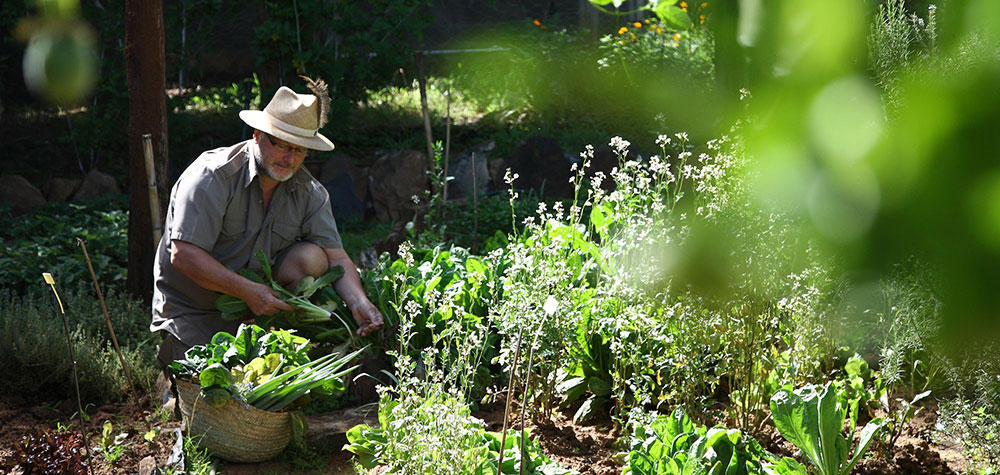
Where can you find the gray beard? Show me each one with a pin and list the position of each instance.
(262, 169)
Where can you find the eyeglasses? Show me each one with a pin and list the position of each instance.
(285, 147)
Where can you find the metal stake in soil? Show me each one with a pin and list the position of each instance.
(76, 379)
(100, 298)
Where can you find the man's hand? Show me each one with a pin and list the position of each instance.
(263, 300)
(367, 316)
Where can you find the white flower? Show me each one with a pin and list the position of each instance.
(662, 140)
(551, 305)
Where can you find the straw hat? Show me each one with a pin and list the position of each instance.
(295, 118)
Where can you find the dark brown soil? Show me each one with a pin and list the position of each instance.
(588, 449)
(17, 420)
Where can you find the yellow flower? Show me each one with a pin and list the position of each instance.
(677, 36)
(543, 27)
(622, 30)
(684, 6)
(537, 23)
(702, 18)
(704, 4)
(637, 25)
(659, 30)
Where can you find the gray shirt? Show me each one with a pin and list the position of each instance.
(218, 205)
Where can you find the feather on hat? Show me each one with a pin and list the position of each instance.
(295, 118)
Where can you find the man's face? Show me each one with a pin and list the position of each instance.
(278, 159)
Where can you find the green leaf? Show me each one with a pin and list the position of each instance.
(796, 418)
(232, 308)
(304, 284)
(672, 16)
(588, 409)
(215, 376)
(599, 220)
(867, 434)
(216, 397)
(857, 367)
(599, 386)
(831, 420)
(329, 277)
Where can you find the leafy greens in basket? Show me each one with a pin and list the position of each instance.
(268, 370)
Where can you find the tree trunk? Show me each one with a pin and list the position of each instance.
(144, 63)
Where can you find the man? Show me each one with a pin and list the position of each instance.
(232, 201)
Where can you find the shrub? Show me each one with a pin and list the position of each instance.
(33, 341)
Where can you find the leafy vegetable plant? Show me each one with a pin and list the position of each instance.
(812, 420)
(673, 444)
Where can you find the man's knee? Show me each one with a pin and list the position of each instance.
(300, 260)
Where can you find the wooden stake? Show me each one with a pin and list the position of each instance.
(107, 319)
(154, 200)
(422, 81)
(475, 206)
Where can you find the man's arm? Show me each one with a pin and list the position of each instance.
(209, 273)
(349, 288)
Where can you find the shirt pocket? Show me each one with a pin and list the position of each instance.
(284, 234)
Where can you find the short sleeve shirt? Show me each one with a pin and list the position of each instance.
(217, 204)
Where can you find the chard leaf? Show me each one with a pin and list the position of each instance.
(796, 418)
(867, 434)
(247, 341)
(232, 308)
(304, 284)
(329, 277)
(216, 397)
(215, 376)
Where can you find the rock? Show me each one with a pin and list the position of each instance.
(541, 165)
(95, 185)
(147, 465)
(340, 164)
(58, 190)
(461, 168)
(345, 205)
(347, 185)
(394, 180)
(20, 193)
(498, 168)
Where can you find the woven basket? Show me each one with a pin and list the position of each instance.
(234, 432)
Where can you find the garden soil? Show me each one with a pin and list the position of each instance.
(588, 449)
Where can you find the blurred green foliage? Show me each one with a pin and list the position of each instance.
(45, 240)
(877, 188)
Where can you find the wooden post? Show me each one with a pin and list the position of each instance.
(475, 206)
(154, 199)
(422, 81)
(447, 146)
